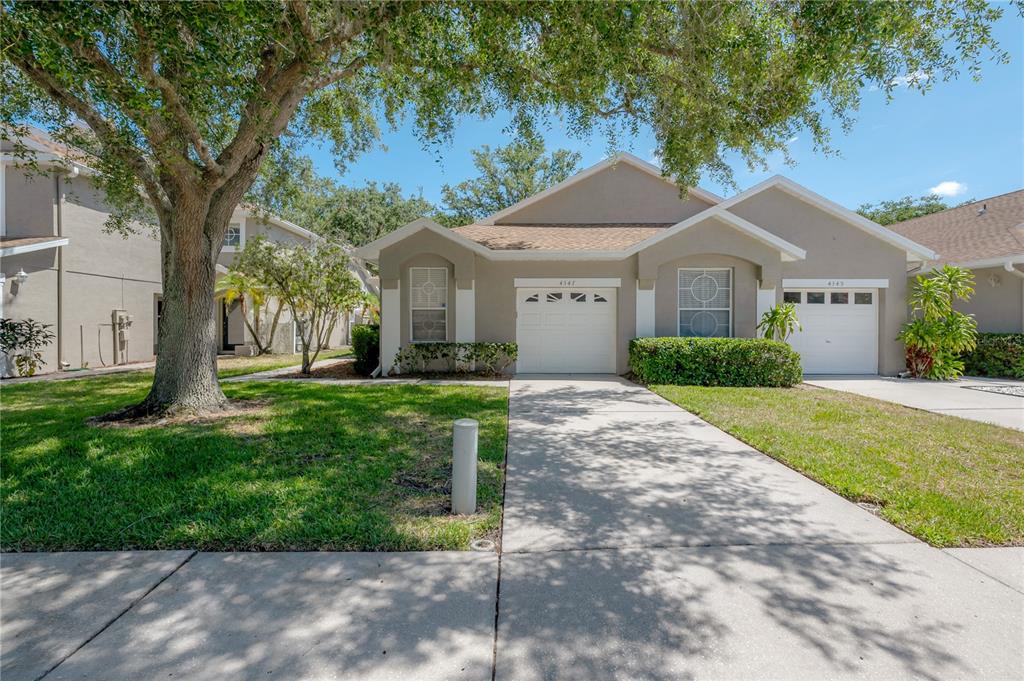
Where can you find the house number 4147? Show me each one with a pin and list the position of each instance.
(566, 282)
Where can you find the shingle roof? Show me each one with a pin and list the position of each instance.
(963, 235)
(562, 237)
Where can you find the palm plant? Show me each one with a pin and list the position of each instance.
(236, 285)
(937, 335)
(780, 322)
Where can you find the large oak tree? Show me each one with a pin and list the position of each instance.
(183, 102)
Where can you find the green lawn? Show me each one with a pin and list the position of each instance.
(314, 467)
(949, 481)
(236, 366)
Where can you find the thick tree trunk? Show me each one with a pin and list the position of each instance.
(185, 380)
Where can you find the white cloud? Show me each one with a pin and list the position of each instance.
(948, 188)
(792, 140)
(918, 76)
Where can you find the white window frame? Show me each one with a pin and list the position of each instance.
(732, 285)
(241, 238)
(414, 307)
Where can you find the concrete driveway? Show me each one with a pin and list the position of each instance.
(640, 542)
(968, 398)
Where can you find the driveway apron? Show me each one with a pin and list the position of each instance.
(641, 542)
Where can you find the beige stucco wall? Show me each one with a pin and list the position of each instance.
(30, 204)
(621, 194)
(836, 249)
(36, 298)
(998, 301)
(101, 271)
(744, 293)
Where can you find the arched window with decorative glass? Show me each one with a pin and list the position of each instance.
(705, 302)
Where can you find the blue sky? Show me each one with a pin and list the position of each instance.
(964, 137)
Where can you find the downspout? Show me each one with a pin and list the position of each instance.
(71, 173)
(60, 273)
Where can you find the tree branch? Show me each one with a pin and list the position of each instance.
(146, 60)
(103, 129)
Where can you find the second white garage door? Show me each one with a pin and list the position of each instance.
(840, 330)
(565, 330)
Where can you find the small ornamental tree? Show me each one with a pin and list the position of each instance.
(780, 322)
(246, 289)
(312, 280)
(24, 340)
(181, 104)
(937, 335)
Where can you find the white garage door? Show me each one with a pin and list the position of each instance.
(565, 330)
(840, 330)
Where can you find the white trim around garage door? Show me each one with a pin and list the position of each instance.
(835, 282)
(566, 282)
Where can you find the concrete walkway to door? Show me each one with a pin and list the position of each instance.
(641, 542)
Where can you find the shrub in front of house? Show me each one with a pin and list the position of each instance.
(366, 347)
(745, 362)
(999, 355)
(485, 358)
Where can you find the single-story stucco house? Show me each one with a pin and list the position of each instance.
(617, 252)
(986, 237)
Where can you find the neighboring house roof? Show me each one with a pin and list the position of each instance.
(562, 237)
(609, 162)
(989, 232)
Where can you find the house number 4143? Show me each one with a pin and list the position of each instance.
(835, 283)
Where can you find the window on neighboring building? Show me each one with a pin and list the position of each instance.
(705, 302)
(234, 236)
(428, 303)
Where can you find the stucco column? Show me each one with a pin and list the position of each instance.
(465, 311)
(765, 302)
(390, 324)
(645, 308)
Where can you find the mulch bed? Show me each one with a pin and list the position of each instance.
(342, 369)
(345, 369)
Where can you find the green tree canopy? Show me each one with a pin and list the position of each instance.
(507, 175)
(362, 214)
(185, 100)
(891, 212)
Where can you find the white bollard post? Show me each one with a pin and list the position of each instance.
(464, 443)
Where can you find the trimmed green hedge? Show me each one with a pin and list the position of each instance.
(366, 347)
(485, 358)
(1000, 355)
(742, 362)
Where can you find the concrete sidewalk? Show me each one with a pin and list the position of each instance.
(153, 615)
(961, 398)
(641, 542)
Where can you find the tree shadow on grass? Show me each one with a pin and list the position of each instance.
(318, 469)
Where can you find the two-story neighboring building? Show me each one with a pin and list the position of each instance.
(101, 291)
